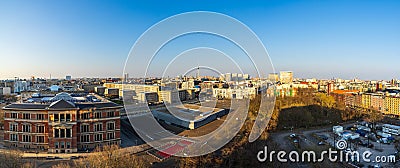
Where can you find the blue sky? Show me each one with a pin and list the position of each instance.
(92, 38)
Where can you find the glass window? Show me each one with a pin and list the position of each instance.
(40, 139)
(26, 138)
(84, 138)
(98, 127)
(62, 117)
(40, 129)
(68, 133)
(97, 114)
(26, 128)
(110, 114)
(110, 135)
(26, 116)
(68, 117)
(85, 128)
(56, 133)
(40, 116)
(56, 117)
(110, 126)
(13, 127)
(14, 115)
(62, 133)
(98, 137)
(13, 137)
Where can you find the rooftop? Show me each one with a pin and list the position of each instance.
(63, 101)
(190, 111)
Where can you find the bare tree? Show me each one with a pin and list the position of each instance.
(111, 157)
(11, 159)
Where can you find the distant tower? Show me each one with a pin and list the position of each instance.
(198, 71)
(126, 77)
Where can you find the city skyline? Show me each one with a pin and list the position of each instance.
(353, 39)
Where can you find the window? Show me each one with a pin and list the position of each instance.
(26, 116)
(98, 137)
(110, 114)
(97, 114)
(98, 127)
(62, 117)
(39, 139)
(56, 145)
(62, 133)
(110, 135)
(68, 145)
(56, 117)
(40, 117)
(40, 129)
(14, 115)
(56, 133)
(13, 137)
(68, 117)
(85, 138)
(26, 128)
(85, 116)
(14, 127)
(68, 133)
(85, 128)
(110, 126)
(62, 144)
(26, 138)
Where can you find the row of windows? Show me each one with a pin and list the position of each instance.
(62, 145)
(97, 115)
(63, 133)
(63, 117)
(26, 138)
(98, 137)
(28, 116)
(26, 128)
(98, 127)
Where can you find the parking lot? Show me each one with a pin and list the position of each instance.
(380, 154)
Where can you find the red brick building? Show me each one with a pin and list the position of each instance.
(62, 126)
(349, 98)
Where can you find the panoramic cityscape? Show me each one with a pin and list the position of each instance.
(199, 84)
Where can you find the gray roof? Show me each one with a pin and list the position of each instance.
(62, 104)
(28, 106)
(97, 105)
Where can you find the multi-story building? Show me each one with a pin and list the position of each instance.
(286, 77)
(366, 100)
(229, 93)
(62, 124)
(5, 90)
(169, 96)
(392, 105)
(378, 102)
(273, 77)
(149, 97)
(345, 97)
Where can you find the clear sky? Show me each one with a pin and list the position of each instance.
(92, 38)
